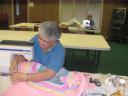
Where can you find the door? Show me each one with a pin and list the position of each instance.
(20, 11)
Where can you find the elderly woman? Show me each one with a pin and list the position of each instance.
(48, 51)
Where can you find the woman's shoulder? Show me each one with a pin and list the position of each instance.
(34, 38)
(59, 46)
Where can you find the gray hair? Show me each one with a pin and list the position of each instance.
(50, 29)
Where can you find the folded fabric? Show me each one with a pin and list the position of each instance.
(29, 67)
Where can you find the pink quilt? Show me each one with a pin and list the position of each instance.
(74, 84)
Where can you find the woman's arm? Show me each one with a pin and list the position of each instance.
(16, 59)
(39, 76)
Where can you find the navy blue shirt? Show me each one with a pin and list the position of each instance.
(53, 59)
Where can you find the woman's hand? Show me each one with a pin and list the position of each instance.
(16, 59)
(13, 69)
(18, 77)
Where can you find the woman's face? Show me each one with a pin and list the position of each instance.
(45, 43)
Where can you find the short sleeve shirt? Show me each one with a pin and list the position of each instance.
(53, 59)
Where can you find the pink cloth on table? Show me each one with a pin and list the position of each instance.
(73, 85)
(22, 89)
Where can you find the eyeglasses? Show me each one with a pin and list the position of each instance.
(41, 39)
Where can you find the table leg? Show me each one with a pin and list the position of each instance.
(96, 59)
